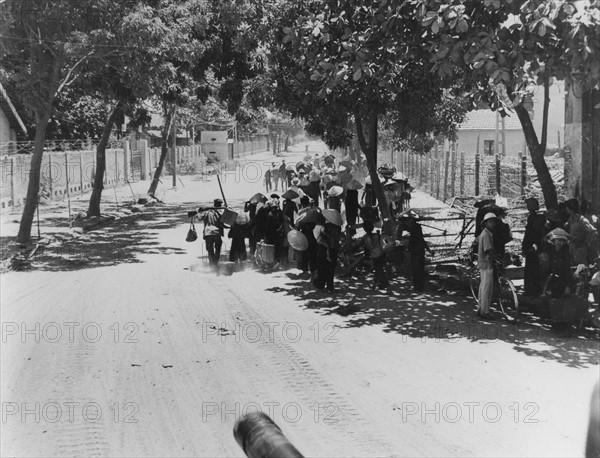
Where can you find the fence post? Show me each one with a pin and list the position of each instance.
(498, 184)
(453, 178)
(144, 159)
(523, 174)
(462, 173)
(447, 163)
(67, 182)
(12, 181)
(126, 159)
(117, 174)
(477, 167)
(80, 172)
(431, 172)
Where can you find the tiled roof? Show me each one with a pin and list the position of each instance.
(486, 120)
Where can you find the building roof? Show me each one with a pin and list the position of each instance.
(8, 108)
(486, 120)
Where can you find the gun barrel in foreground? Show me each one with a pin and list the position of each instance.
(260, 437)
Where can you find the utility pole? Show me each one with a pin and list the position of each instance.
(497, 136)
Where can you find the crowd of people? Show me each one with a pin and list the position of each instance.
(313, 208)
(557, 244)
(308, 211)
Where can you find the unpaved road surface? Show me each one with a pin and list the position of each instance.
(123, 343)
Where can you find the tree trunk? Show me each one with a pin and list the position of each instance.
(369, 148)
(33, 186)
(169, 113)
(274, 143)
(537, 157)
(96, 197)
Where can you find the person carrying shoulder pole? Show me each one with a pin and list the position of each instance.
(213, 231)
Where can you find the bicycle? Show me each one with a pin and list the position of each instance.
(504, 295)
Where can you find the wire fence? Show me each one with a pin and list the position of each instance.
(459, 180)
(447, 175)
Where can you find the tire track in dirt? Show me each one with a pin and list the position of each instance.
(86, 434)
(294, 370)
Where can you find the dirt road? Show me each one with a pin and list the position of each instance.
(124, 344)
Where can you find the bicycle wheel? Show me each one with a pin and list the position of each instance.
(507, 299)
(474, 281)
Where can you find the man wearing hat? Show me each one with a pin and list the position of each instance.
(213, 231)
(535, 230)
(558, 253)
(368, 196)
(274, 227)
(295, 186)
(268, 180)
(283, 175)
(417, 245)
(275, 176)
(485, 262)
(314, 186)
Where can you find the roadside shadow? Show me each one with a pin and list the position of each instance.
(120, 241)
(443, 315)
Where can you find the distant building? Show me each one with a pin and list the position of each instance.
(216, 145)
(556, 113)
(10, 124)
(482, 124)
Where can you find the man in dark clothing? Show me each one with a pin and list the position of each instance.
(283, 176)
(289, 209)
(368, 196)
(416, 247)
(268, 180)
(352, 206)
(273, 226)
(253, 237)
(535, 230)
(328, 245)
(373, 245)
(213, 231)
(308, 258)
(314, 186)
(237, 234)
(560, 284)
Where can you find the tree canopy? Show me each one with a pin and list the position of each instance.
(499, 50)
